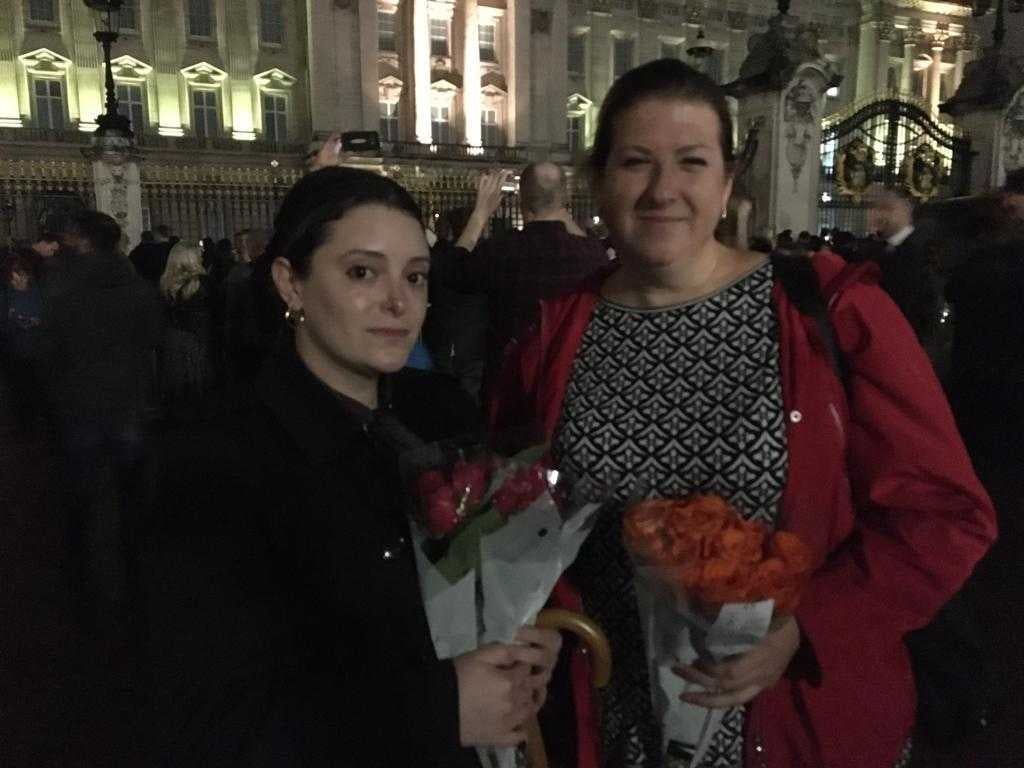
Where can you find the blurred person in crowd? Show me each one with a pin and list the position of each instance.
(150, 256)
(455, 330)
(280, 634)
(222, 260)
(21, 319)
(906, 257)
(101, 329)
(241, 341)
(519, 268)
(631, 375)
(187, 371)
(986, 297)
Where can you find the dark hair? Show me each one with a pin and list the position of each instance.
(663, 79)
(163, 230)
(323, 196)
(146, 236)
(11, 262)
(101, 231)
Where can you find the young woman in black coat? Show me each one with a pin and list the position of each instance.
(285, 620)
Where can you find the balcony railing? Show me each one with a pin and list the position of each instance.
(406, 150)
(416, 151)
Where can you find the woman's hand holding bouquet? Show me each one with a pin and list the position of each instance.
(491, 536)
(715, 594)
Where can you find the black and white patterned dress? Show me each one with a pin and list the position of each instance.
(676, 400)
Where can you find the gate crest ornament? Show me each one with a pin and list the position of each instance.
(922, 172)
(854, 169)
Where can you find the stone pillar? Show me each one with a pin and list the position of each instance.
(784, 176)
(987, 148)
(935, 77)
(885, 33)
(167, 63)
(557, 76)
(10, 110)
(323, 74)
(517, 71)
(907, 73)
(240, 65)
(118, 189)
(86, 94)
(368, 45)
(421, 70)
(867, 60)
(471, 73)
(963, 56)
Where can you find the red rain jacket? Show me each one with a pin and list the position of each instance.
(880, 487)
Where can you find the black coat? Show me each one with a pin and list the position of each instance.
(285, 618)
(102, 325)
(909, 277)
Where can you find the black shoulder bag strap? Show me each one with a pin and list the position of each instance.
(799, 280)
(953, 699)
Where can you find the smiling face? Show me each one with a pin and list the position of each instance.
(365, 297)
(665, 185)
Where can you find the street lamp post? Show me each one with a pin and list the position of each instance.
(111, 123)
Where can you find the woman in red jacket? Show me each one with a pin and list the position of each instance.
(687, 368)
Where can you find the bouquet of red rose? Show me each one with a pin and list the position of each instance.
(491, 536)
(709, 584)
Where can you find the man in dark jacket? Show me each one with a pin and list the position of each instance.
(102, 325)
(907, 260)
(520, 268)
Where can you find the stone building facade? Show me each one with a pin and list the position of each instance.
(235, 89)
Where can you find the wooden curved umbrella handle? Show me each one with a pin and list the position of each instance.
(595, 642)
(587, 630)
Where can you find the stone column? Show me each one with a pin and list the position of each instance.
(240, 63)
(167, 61)
(907, 73)
(784, 175)
(885, 33)
(118, 189)
(558, 77)
(935, 76)
(471, 73)
(867, 60)
(368, 45)
(963, 56)
(85, 80)
(10, 111)
(421, 70)
(517, 71)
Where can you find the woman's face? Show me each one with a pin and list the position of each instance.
(665, 185)
(365, 296)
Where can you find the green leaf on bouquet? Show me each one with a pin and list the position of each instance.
(463, 554)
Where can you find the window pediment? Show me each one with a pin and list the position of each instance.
(43, 61)
(204, 73)
(493, 82)
(274, 78)
(129, 68)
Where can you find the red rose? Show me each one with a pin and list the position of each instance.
(441, 514)
(428, 482)
(471, 480)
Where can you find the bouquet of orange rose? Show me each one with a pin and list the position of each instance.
(709, 584)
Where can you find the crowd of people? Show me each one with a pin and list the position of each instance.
(229, 417)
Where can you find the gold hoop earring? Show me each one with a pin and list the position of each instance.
(294, 317)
